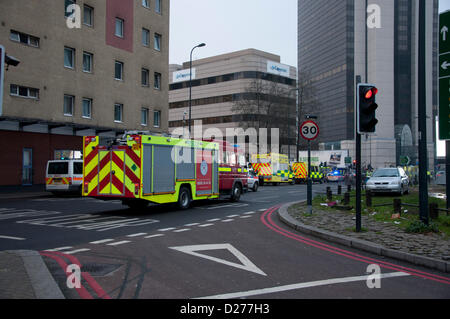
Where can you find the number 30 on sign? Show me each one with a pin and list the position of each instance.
(309, 130)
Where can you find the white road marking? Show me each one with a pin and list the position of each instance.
(233, 216)
(246, 264)
(193, 224)
(136, 235)
(249, 213)
(181, 230)
(76, 251)
(60, 248)
(153, 236)
(227, 220)
(167, 229)
(206, 225)
(213, 220)
(266, 291)
(119, 243)
(101, 241)
(262, 210)
(12, 238)
(246, 216)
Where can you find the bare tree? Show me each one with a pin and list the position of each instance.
(267, 104)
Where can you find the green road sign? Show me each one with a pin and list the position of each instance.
(444, 76)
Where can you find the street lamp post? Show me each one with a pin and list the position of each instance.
(297, 124)
(190, 84)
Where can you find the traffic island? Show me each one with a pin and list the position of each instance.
(380, 237)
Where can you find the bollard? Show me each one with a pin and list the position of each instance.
(368, 198)
(397, 206)
(433, 211)
(339, 190)
(329, 194)
(347, 198)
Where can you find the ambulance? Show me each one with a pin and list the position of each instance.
(272, 168)
(140, 169)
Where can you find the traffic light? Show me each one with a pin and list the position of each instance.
(366, 109)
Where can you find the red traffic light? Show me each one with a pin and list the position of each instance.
(370, 93)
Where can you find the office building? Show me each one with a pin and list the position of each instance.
(338, 47)
(221, 82)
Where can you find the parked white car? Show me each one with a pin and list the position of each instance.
(389, 180)
(253, 181)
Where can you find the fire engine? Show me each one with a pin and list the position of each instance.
(140, 169)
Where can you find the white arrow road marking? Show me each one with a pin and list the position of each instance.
(266, 291)
(445, 65)
(246, 264)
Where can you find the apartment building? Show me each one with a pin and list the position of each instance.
(220, 82)
(87, 67)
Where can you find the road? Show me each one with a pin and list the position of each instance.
(214, 250)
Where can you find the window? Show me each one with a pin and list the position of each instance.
(144, 116)
(157, 118)
(68, 105)
(69, 58)
(146, 3)
(88, 18)
(118, 72)
(118, 113)
(22, 91)
(157, 42)
(24, 38)
(157, 82)
(119, 27)
(145, 37)
(88, 59)
(145, 77)
(87, 108)
(158, 6)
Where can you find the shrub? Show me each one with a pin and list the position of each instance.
(419, 227)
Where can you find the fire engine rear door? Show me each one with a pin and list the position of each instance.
(111, 170)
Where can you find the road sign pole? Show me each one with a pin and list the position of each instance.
(309, 189)
(447, 172)
(358, 182)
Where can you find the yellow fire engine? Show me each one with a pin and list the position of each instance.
(139, 169)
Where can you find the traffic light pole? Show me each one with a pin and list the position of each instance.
(358, 182)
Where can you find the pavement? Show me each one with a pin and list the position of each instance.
(22, 192)
(23, 273)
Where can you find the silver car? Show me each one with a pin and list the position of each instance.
(389, 180)
(441, 178)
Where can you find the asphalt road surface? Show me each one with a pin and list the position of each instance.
(217, 249)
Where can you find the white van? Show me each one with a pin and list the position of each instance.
(63, 176)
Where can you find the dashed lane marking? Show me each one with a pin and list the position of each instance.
(103, 241)
(119, 243)
(12, 238)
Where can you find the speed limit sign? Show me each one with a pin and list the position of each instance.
(309, 130)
